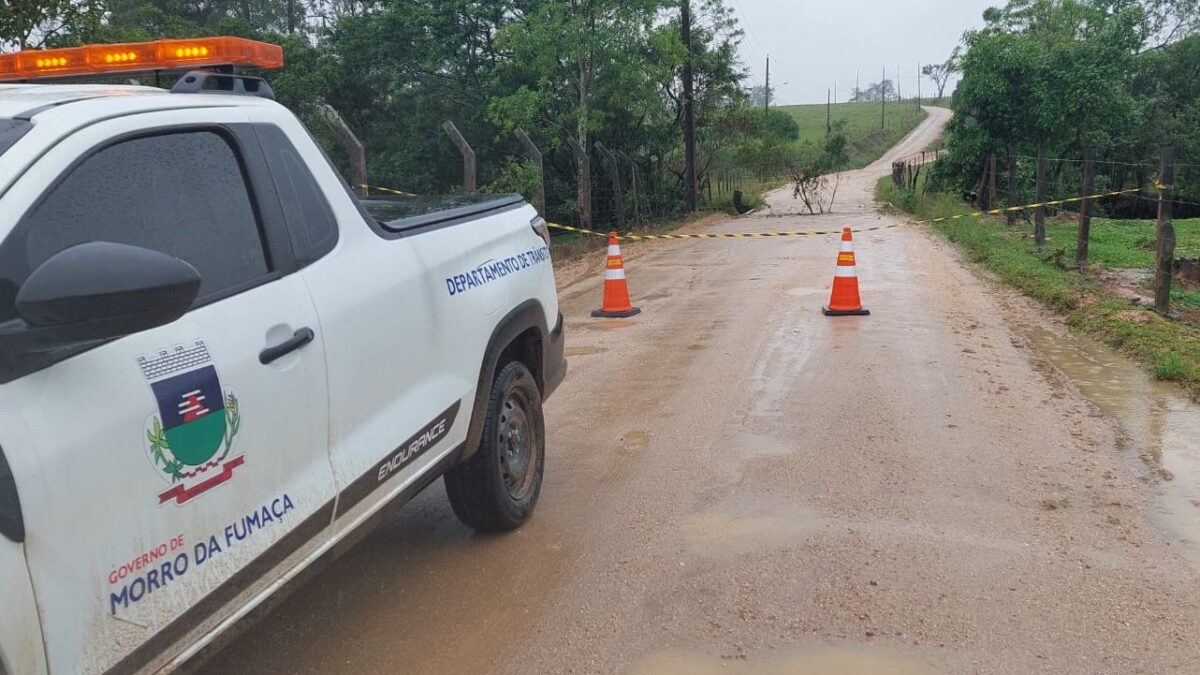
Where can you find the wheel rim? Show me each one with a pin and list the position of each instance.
(517, 449)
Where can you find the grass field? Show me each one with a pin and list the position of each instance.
(1171, 348)
(868, 141)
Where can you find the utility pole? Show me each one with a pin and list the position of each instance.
(898, 96)
(828, 114)
(767, 92)
(918, 85)
(689, 113)
(291, 20)
(857, 82)
(883, 97)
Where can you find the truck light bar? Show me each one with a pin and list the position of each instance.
(139, 57)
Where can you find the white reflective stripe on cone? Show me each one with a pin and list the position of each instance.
(613, 275)
(847, 247)
(847, 271)
(614, 250)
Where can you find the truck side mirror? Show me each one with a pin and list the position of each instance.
(100, 290)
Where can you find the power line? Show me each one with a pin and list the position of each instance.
(758, 53)
(763, 51)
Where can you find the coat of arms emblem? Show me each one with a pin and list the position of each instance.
(191, 438)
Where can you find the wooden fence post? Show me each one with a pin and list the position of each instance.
(981, 195)
(584, 163)
(993, 196)
(1165, 250)
(637, 186)
(350, 144)
(618, 185)
(469, 176)
(1013, 199)
(1039, 214)
(1085, 210)
(536, 155)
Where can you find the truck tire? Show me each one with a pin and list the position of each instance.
(497, 489)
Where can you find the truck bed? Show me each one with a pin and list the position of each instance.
(398, 214)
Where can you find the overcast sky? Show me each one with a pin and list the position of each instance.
(813, 43)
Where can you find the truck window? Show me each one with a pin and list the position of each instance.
(11, 131)
(183, 194)
(311, 224)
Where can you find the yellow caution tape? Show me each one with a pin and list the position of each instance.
(815, 233)
(401, 193)
(713, 235)
(821, 233)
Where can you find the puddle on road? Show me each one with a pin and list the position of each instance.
(723, 533)
(1159, 427)
(636, 439)
(583, 351)
(606, 325)
(807, 291)
(857, 660)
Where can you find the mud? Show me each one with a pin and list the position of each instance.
(823, 660)
(582, 351)
(1158, 427)
(915, 491)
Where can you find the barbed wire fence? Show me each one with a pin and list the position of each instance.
(1132, 191)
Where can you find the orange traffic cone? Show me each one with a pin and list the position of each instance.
(845, 300)
(616, 303)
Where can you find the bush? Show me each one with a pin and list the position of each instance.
(517, 176)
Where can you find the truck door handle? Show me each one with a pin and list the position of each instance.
(298, 341)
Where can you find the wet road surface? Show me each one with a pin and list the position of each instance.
(738, 484)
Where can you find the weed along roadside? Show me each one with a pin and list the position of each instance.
(1093, 302)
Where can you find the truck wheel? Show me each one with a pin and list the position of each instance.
(497, 489)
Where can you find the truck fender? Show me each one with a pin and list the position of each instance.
(12, 522)
(528, 317)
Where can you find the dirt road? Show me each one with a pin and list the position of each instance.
(738, 484)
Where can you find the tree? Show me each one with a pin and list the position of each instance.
(874, 93)
(398, 72)
(758, 96)
(940, 73)
(780, 124)
(609, 70)
(604, 70)
(815, 182)
(567, 57)
(29, 24)
(1168, 21)
(1066, 75)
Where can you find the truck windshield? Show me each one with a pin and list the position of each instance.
(11, 131)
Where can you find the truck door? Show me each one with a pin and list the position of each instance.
(166, 476)
(397, 390)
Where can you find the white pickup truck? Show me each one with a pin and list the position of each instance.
(218, 366)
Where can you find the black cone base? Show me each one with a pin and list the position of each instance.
(601, 314)
(846, 312)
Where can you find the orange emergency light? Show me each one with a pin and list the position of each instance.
(139, 57)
